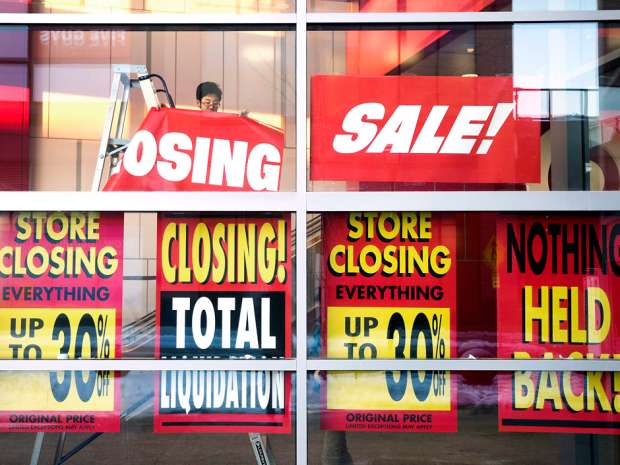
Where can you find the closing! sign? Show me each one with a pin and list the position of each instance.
(421, 128)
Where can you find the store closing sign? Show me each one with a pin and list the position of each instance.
(60, 297)
(421, 129)
(389, 292)
(224, 291)
(559, 297)
(191, 150)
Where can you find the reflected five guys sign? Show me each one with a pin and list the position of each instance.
(421, 129)
(224, 291)
(60, 297)
(389, 292)
(559, 297)
(191, 150)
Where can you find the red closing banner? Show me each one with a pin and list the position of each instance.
(421, 129)
(190, 150)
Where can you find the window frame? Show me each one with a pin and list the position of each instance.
(302, 201)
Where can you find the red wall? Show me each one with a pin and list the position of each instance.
(375, 53)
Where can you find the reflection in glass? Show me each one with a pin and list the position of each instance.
(137, 443)
(55, 88)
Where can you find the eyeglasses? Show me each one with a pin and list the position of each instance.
(209, 104)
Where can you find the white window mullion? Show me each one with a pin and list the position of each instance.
(301, 239)
(353, 19)
(148, 201)
(263, 20)
(500, 201)
(488, 364)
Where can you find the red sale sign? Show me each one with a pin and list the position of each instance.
(421, 129)
(190, 150)
(558, 297)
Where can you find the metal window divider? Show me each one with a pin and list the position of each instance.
(292, 365)
(301, 417)
(308, 18)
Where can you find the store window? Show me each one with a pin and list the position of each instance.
(482, 285)
(559, 133)
(353, 298)
(132, 418)
(63, 85)
(76, 287)
(130, 277)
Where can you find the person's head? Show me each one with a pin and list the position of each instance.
(208, 96)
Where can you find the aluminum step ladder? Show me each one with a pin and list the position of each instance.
(125, 78)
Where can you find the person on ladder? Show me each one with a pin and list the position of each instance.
(209, 97)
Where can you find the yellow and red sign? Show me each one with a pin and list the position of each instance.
(559, 297)
(224, 288)
(60, 298)
(389, 292)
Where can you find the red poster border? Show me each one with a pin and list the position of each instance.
(548, 420)
(104, 423)
(285, 418)
(334, 419)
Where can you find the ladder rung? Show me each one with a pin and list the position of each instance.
(118, 141)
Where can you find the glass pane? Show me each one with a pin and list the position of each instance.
(444, 107)
(56, 87)
(481, 429)
(131, 437)
(147, 6)
(110, 285)
(415, 6)
(443, 285)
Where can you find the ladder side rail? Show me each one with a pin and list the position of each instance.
(148, 92)
(261, 449)
(107, 130)
(122, 113)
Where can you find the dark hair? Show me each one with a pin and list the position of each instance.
(206, 88)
